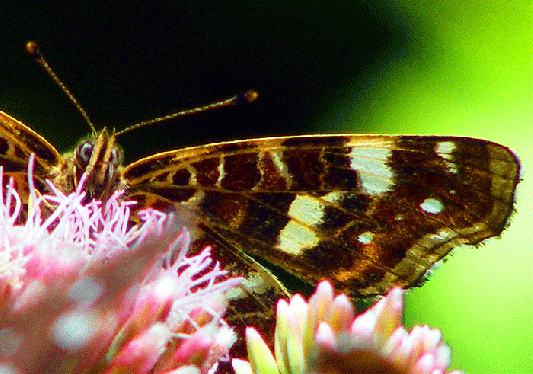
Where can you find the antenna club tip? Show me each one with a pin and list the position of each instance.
(247, 97)
(33, 49)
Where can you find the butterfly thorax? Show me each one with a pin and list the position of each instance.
(100, 158)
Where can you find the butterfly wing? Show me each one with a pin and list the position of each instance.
(17, 143)
(367, 212)
(364, 211)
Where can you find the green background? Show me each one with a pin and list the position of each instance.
(410, 67)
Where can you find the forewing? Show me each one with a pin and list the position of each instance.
(17, 143)
(350, 208)
(367, 212)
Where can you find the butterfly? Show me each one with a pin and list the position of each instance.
(366, 211)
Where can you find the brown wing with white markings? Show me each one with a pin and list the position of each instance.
(367, 212)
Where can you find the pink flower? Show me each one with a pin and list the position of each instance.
(81, 290)
(325, 336)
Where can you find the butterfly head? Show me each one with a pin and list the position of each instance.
(101, 159)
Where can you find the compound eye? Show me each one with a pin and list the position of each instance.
(84, 152)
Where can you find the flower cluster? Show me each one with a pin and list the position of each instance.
(325, 336)
(82, 290)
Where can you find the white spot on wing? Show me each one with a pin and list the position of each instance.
(365, 238)
(255, 282)
(280, 165)
(371, 165)
(221, 173)
(234, 293)
(252, 282)
(432, 206)
(334, 196)
(295, 238)
(192, 179)
(306, 210)
(445, 150)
